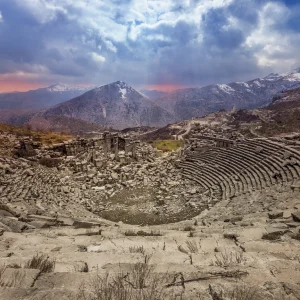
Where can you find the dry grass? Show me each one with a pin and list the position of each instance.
(226, 259)
(193, 246)
(139, 275)
(238, 292)
(140, 283)
(41, 262)
(137, 249)
(142, 233)
(188, 228)
(2, 270)
(243, 292)
(81, 267)
(44, 137)
(167, 145)
(191, 234)
(14, 266)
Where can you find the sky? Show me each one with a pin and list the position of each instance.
(156, 44)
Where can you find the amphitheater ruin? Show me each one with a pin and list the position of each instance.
(218, 218)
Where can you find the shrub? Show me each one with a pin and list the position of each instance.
(140, 283)
(82, 267)
(188, 228)
(191, 234)
(137, 250)
(41, 262)
(243, 292)
(193, 246)
(139, 275)
(225, 259)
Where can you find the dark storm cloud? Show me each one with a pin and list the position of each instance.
(178, 42)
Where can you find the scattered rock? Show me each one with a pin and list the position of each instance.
(273, 234)
(85, 224)
(42, 224)
(296, 216)
(231, 235)
(275, 215)
(81, 248)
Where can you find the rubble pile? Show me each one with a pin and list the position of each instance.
(96, 174)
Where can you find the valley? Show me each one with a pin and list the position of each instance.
(149, 150)
(199, 209)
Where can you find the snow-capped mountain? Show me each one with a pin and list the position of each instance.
(193, 102)
(62, 87)
(117, 105)
(41, 98)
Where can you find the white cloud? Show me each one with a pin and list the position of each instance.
(97, 58)
(110, 46)
(43, 11)
(1, 18)
(274, 48)
(147, 38)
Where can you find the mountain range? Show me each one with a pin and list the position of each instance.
(40, 98)
(195, 102)
(119, 106)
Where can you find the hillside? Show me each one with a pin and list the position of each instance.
(195, 102)
(206, 221)
(10, 136)
(282, 116)
(63, 124)
(15, 116)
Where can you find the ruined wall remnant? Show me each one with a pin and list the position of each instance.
(86, 150)
(113, 143)
(27, 148)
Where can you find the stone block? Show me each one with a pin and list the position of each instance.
(275, 215)
(85, 224)
(22, 278)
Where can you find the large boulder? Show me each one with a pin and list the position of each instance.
(4, 213)
(22, 278)
(7, 209)
(14, 224)
(274, 234)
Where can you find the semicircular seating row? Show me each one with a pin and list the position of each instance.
(252, 164)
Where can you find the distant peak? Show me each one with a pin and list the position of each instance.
(63, 87)
(292, 76)
(120, 83)
(273, 76)
(297, 70)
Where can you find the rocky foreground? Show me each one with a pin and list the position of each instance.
(246, 248)
(65, 212)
